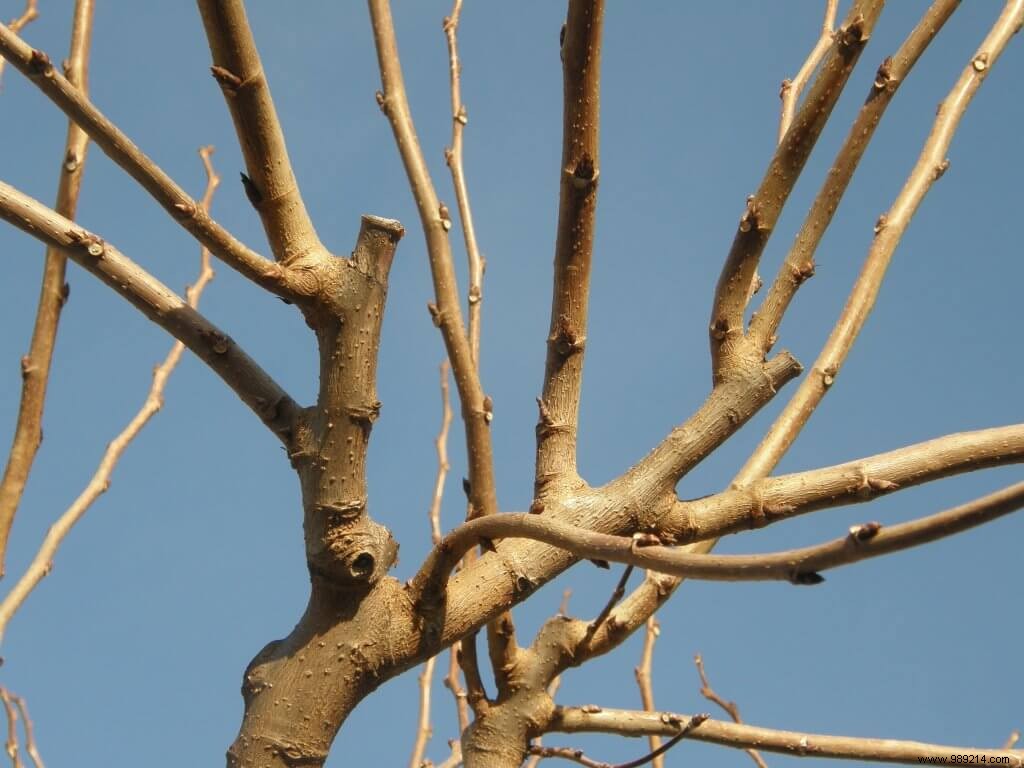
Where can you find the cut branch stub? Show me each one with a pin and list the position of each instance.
(343, 546)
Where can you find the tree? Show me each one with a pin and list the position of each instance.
(362, 626)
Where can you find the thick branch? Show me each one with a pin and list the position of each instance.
(780, 498)
(800, 566)
(272, 188)
(574, 246)
(793, 743)
(764, 206)
(476, 408)
(160, 304)
(930, 166)
(37, 67)
(799, 262)
(35, 366)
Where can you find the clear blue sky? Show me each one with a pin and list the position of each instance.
(132, 651)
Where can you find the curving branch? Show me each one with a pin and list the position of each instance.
(591, 719)
(220, 352)
(644, 680)
(35, 366)
(270, 184)
(574, 245)
(730, 707)
(728, 352)
(930, 166)
(36, 66)
(436, 221)
(799, 566)
(798, 265)
(780, 498)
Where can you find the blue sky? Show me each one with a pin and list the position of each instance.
(193, 560)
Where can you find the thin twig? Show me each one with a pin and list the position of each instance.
(574, 244)
(577, 755)
(453, 157)
(28, 15)
(37, 67)
(799, 566)
(791, 89)
(42, 563)
(436, 220)
(729, 706)
(930, 166)
(30, 734)
(1013, 738)
(35, 366)
(613, 599)
(792, 743)
(11, 745)
(643, 680)
(423, 729)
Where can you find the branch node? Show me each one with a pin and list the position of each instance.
(39, 63)
(980, 62)
(226, 79)
(884, 79)
(445, 216)
(852, 37)
(251, 191)
(864, 532)
(940, 169)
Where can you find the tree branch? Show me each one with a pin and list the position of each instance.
(733, 291)
(42, 563)
(36, 66)
(729, 706)
(160, 304)
(799, 566)
(798, 265)
(447, 314)
(35, 366)
(28, 15)
(643, 680)
(574, 246)
(272, 188)
(930, 166)
(780, 498)
(790, 91)
(793, 743)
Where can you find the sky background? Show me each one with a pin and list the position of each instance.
(133, 649)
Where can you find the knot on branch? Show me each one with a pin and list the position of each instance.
(584, 176)
(39, 63)
(884, 79)
(226, 79)
(852, 38)
(567, 341)
(365, 414)
(353, 557)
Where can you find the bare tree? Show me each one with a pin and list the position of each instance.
(361, 627)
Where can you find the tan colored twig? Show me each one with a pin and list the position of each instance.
(799, 566)
(455, 758)
(453, 157)
(792, 743)
(271, 187)
(220, 352)
(930, 166)
(790, 91)
(577, 755)
(36, 65)
(1012, 740)
(799, 263)
(574, 243)
(778, 498)
(35, 366)
(423, 728)
(730, 707)
(434, 216)
(643, 680)
(11, 745)
(42, 563)
(729, 352)
(30, 734)
(28, 15)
